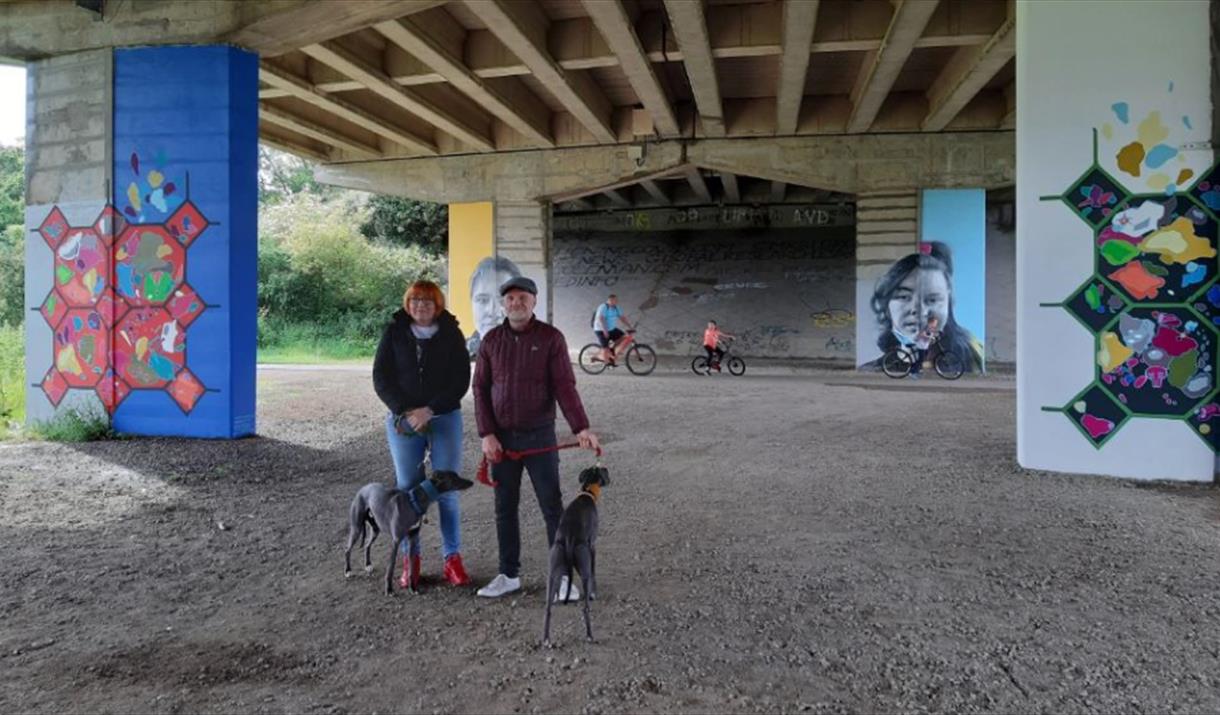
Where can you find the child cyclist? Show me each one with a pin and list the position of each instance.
(712, 337)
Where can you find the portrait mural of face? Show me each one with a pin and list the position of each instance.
(485, 282)
(915, 291)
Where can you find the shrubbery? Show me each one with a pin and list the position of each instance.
(321, 279)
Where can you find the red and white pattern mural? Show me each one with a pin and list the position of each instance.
(120, 306)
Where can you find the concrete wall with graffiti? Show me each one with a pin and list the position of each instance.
(121, 281)
(1117, 260)
(786, 292)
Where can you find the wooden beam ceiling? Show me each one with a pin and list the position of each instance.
(695, 178)
(319, 20)
(731, 193)
(655, 191)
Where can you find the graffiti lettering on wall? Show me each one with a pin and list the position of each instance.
(711, 218)
(119, 306)
(834, 318)
(574, 259)
(841, 345)
(1152, 302)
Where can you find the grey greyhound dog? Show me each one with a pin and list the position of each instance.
(397, 512)
(575, 546)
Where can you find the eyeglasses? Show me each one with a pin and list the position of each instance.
(421, 301)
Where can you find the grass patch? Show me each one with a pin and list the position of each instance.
(339, 342)
(74, 425)
(12, 379)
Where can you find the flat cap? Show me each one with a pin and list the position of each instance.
(519, 283)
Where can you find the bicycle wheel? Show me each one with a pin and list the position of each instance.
(699, 365)
(949, 366)
(641, 359)
(896, 363)
(737, 366)
(591, 360)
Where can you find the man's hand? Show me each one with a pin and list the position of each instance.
(418, 418)
(588, 440)
(491, 448)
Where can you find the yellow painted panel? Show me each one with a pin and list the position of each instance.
(471, 239)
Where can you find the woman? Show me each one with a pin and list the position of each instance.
(421, 373)
(916, 288)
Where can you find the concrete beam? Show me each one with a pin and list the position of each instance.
(313, 130)
(846, 164)
(690, 28)
(655, 191)
(522, 28)
(618, 198)
(314, 22)
(778, 189)
(968, 72)
(291, 146)
(694, 177)
(799, 21)
(731, 193)
(350, 64)
(881, 67)
(302, 90)
(615, 27)
(523, 112)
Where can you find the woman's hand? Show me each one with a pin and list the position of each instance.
(418, 418)
(492, 448)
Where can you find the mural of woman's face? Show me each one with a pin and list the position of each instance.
(485, 300)
(923, 294)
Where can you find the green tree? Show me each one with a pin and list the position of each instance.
(12, 275)
(281, 175)
(12, 186)
(405, 222)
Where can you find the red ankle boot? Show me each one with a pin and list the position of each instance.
(455, 573)
(410, 573)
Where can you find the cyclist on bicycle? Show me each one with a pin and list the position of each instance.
(923, 341)
(712, 338)
(605, 326)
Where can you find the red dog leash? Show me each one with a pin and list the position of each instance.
(484, 473)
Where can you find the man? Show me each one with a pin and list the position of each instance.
(485, 283)
(522, 369)
(605, 326)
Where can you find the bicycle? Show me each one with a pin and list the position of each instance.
(702, 366)
(899, 362)
(640, 359)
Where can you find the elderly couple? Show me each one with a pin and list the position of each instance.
(421, 373)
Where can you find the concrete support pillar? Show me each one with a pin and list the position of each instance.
(523, 235)
(887, 228)
(141, 270)
(1117, 300)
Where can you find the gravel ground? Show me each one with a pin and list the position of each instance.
(790, 541)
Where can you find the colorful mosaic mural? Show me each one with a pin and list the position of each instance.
(1153, 301)
(120, 305)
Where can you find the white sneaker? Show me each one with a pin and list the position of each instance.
(571, 589)
(501, 585)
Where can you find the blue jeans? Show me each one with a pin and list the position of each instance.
(445, 436)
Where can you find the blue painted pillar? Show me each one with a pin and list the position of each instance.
(148, 298)
(185, 183)
(953, 279)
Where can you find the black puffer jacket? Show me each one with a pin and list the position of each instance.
(437, 379)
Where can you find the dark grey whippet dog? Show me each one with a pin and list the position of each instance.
(395, 511)
(575, 546)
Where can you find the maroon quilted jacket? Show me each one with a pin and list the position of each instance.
(518, 376)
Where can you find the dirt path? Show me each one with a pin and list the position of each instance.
(779, 542)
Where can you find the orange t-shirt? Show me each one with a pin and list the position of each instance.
(710, 337)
